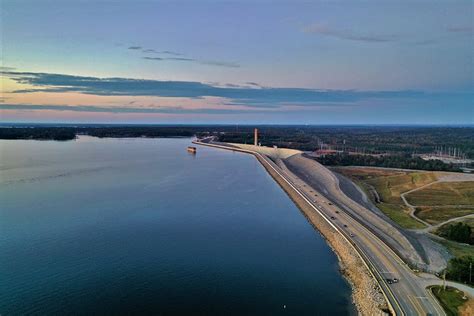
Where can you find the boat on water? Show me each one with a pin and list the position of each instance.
(192, 149)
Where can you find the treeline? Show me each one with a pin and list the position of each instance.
(121, 132)
(370, 139)
(68, 133)
(459, 232)
(43, 133)
(395, 161)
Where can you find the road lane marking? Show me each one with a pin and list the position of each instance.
(416, 304)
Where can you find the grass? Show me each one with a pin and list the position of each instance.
(435, 202)
(399, 216)
(390, 187)
(389, 184)
(444, 193)
(438, 215)
(456, 249)
(450, 299)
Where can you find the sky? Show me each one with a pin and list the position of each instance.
(228, 62)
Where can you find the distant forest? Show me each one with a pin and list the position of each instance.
(399, 142)
(403, 161)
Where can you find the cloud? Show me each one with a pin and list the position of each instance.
(264, 97)
(212, 63)
(220, 63)
(461, 29)
(172, 53)
(5, 68)
(164, 52)
(348, 35)
(153, 58)
(121, 109)
(169, 58)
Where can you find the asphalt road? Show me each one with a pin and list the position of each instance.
(409, 296)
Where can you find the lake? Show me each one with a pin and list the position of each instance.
(141, 226)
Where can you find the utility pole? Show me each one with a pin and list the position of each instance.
(470, 272)
(444, 280)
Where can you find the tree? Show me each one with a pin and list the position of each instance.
(459, 232)
(458, 268)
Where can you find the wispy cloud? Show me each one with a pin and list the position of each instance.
(219, 63)
(5, 68)
(162, 57)
(169, 58)
(348, 35)
(202, 62)
(153, 58)
(122, 109)
(461, 29)
(163, 52)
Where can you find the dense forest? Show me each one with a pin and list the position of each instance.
(459, 269)
(70, 132)
(403, 161)
(369, 139)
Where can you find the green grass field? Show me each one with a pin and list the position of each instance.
(389, 184)
(400, 216)
(450, 299)
(438, 215)
(444, 193)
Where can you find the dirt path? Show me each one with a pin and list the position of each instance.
(412, 207)
(455, 219)
(429, 227)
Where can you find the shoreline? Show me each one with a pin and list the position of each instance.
(352, 267)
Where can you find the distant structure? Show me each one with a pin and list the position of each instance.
(448, 155)
(255, 137)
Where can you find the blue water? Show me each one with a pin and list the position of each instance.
(140, 226)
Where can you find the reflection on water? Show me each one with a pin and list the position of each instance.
(116, 226)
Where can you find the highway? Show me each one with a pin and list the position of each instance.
(406, 297)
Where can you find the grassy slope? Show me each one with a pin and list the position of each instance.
(444, 193)
(439, 215)
(458, 250)
(451, 299)
(455, 248)
(389, 184)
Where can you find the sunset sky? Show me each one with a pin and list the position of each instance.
(341, 62)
